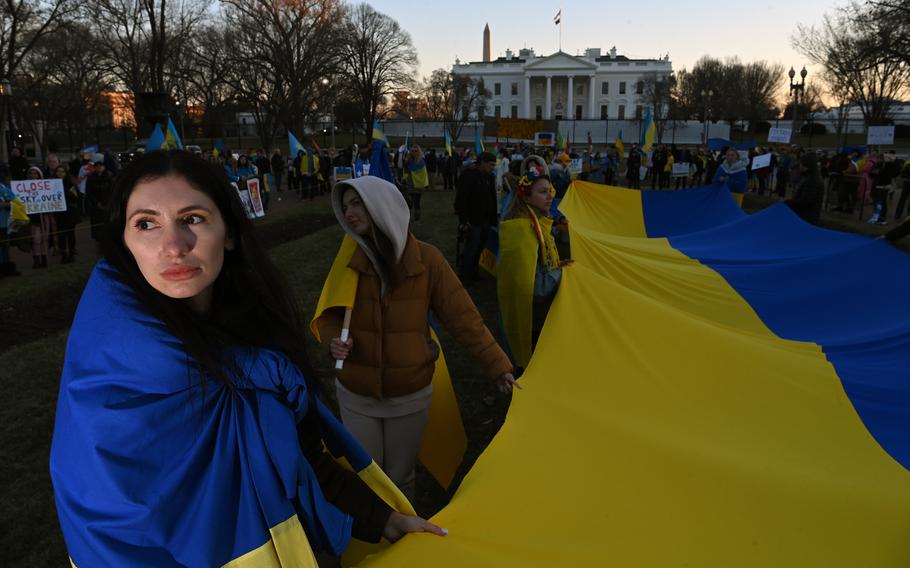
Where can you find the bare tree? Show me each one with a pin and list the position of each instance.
(840, 45)
(141, 42)
(761, 84)
(454, 99)
(62, 86)
(282, 51)
(202, 78)
(379, 59)
(657, 92)
(23, 24)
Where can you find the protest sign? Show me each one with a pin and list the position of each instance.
(40, 195)
(252, 186)
(576, 166)
(680, 170)
(880, 135)
(546, 139)
(763, 161)
(780, 135)
(342, 174)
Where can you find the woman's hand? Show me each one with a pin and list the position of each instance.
(340, 349)
(505, 382)
(399, 525)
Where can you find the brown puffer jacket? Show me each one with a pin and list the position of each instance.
(392, 353)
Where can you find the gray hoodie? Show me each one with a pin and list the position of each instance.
(390, 215)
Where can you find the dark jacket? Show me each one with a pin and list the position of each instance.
(475, 197)
(98, 189)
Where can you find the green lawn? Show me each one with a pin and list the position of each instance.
(29, 533)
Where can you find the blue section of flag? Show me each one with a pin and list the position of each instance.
(294, 145)
(156, 139)
(448, 140)
(172, 135)
(378, 133)
(844, 292)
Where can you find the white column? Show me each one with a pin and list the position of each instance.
(591, 114)
(527, 113)
(570, 101)
(546, 109)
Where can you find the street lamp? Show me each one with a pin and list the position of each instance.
(325, 83)
(6, 92)
(796, 89)
(706, 96)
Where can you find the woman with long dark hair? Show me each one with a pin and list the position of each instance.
(188, 430)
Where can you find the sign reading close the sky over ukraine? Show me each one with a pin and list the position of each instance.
(40, 195)
(781, 135)
(878, 135)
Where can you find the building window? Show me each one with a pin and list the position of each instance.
(538, 112)
(639, 87)
(514, 89)
(637, 112)
(497, 111)
(497, 89)
(580, 89)
(605, 88)
(514, 111)
(604, 115)
(577, 112)
(621, 113)
(622, 87)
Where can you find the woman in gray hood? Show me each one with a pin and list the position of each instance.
(384, 388)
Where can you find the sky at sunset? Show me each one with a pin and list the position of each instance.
(686, 30)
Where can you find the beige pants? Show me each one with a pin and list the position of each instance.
(390, 430)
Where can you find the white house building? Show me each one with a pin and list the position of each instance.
(563, 86)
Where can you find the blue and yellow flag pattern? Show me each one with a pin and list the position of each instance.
(708, 390)
(172, 138)
(444, 442)
(294, 145)
(448, 140)
(152, 466)
(647, 133)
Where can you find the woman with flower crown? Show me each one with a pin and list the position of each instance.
(529, 268)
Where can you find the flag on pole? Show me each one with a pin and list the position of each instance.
(448, 140)
(478, 142)
(378, 134)
(156, 140)
(558, 17)
(619, 145)
(219, 148)
(171, 138)
(294, 145)
(560, 141)
(314, 144)
(407, 139)
(647, 133)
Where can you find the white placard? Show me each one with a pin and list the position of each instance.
(40, 195)
(781, 135)
(252, 186)
(743, 154)
(680, 170)
(247, 202)
(576, 167)
(880, 135)
(763, 161)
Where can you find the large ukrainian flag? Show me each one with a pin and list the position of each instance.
(711, 389)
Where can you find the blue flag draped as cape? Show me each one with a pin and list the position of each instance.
(151, 469)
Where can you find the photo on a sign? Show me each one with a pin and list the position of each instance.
(252, 186)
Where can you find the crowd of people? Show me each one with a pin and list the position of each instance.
(183, 281)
